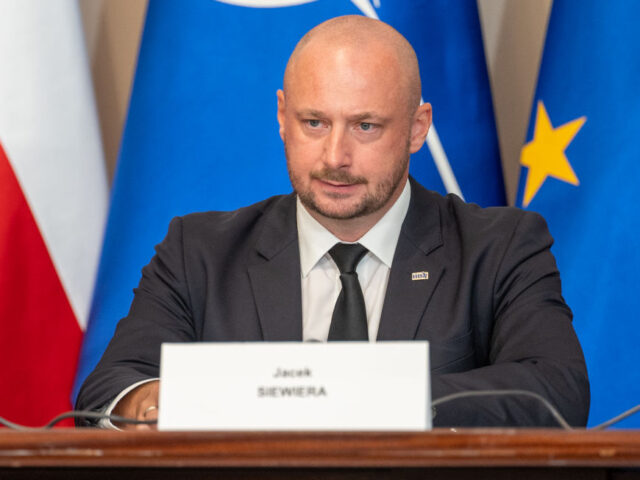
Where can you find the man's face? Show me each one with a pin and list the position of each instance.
(348, 132)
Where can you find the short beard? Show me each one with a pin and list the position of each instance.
(368, 204)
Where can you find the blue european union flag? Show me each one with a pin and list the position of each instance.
(202, 134)
(581, 167)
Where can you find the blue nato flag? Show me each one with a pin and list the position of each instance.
(201, 132)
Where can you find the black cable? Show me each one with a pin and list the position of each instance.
(616, 419)
(487, 393)
(447, 398)
(76, 414)
(558, 417)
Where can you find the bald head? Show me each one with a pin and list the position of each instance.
(350, 117)
(366, 38)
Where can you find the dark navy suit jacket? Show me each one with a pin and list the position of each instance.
(491, 308)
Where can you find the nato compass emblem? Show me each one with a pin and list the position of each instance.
(368, 8)
(365, 6)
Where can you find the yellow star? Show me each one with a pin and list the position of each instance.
(544, 155)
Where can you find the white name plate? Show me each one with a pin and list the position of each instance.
(295, 386)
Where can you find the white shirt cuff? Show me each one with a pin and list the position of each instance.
(105, 422)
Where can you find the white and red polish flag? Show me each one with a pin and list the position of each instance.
(53, 201)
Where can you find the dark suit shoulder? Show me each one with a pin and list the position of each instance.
(236, 230)
(435, 220)
(491, 225)
(233, 221)
(483, 218)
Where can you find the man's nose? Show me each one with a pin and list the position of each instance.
(337, 148)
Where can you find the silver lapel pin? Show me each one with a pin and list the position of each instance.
(420, 276)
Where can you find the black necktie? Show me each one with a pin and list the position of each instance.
(349, 320)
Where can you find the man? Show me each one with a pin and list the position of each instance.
(488, 291)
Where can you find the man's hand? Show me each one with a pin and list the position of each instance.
(141, 404)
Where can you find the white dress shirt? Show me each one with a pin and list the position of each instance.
(320, 276)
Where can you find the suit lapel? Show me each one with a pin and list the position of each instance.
(408, 294)
(275, 275)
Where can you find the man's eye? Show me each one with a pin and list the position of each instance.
(365, 126)
(313, 123)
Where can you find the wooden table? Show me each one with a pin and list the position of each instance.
(465, 454)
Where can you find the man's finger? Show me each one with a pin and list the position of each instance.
(147, 412)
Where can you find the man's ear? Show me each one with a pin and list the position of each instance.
(420, 127)
(281, 107)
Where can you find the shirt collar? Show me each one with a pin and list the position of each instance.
(315, 241)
